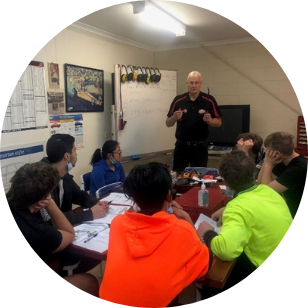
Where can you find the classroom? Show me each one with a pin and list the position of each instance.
(236, 72)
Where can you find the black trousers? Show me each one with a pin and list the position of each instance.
(194, 155)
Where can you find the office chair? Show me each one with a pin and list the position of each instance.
(85, 181)
(108, 188)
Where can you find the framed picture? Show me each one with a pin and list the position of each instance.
(84, 89)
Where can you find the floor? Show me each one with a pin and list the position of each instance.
(187, 296)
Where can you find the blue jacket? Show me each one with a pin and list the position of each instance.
(102, 175)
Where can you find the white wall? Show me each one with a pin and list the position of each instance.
(85, 49)
(243, 73)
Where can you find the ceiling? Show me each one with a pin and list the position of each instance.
(203, 27)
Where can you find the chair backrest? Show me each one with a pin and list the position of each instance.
(108, 188)
(85, 181)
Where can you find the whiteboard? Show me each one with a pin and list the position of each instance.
(145, 108)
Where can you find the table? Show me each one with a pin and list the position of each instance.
(220, 270)
(218, 274)
(189, 202)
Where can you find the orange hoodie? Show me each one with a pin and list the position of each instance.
(151, 259)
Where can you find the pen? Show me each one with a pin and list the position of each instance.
(94, 234)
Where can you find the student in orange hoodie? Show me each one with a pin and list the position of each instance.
(152, 255)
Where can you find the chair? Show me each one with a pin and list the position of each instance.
(69, 263)
(70, 267)
(85, 181)
(108, 188)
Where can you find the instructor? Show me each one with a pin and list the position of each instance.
(192, 112)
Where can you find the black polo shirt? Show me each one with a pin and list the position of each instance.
(192, 127)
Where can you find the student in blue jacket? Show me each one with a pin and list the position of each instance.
(107, 166)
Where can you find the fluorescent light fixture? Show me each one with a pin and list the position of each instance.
(156, 16)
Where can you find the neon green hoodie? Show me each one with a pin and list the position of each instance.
(255, 222)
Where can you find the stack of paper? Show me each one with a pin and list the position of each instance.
(209, 220)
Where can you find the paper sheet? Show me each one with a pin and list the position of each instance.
(83, 231)
(114, 210)
(118, 198)
(98, 243)
(209, 220)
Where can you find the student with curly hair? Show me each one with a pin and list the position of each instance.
(30, 192)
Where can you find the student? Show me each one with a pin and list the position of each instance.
(107, 166)
(251, 144)
(287, 166)
(193, 112)
(30, 192)
(253, 222)
(152, 255)
(61, 154)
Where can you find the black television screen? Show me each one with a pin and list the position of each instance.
(235, 120)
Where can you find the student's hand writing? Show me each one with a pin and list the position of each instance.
(104, 204)
(217, 216)
(99, 211)
(203, 227)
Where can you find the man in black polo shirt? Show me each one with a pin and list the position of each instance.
(192, 112)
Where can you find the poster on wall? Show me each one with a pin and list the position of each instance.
(84, 89)
(55, 102)
(27, 108)
(13, 157)
(71, 124)
(53, 75)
